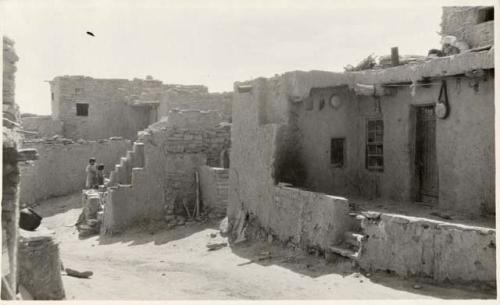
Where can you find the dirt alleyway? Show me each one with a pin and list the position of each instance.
(175, 264)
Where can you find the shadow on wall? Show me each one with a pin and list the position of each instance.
(290, 169)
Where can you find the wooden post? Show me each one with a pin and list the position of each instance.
(395, 56)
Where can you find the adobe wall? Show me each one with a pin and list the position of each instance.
(43, 126)
(108, 114)
(442, 251)
(214, 184)
(465, 143)
(119, 107)
(317, 128)
(463, 22)
(263, 137)
(255, 138)
(308, 219)
(60, 169)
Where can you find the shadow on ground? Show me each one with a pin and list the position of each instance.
(64, 211)
(156, 233)
(313, 266)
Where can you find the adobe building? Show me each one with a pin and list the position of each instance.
(323, 160)
(89, 108)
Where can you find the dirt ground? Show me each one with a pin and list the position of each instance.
(147, 264)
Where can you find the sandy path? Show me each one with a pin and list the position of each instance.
(176, 265)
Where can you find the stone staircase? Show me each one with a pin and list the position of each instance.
(352, 245)
(130, 166)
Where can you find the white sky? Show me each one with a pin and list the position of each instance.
(213, 43)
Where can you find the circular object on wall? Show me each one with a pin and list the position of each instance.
(335, 102)
(441, 110)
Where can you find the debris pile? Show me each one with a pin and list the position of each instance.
(89, 222)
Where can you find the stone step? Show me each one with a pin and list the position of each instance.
(344, 252)
(353, 238)
(136, 171)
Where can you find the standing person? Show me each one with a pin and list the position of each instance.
(100, 175)
(91, 174)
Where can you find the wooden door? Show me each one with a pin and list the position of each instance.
(427, 169)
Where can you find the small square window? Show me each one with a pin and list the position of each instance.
(82, 109)
(78, 91)
(337, 152)
(486, 14)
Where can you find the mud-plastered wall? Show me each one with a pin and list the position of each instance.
(60, 169)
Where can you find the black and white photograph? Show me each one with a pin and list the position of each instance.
(220, 150)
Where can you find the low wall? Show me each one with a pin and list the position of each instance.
(427, 248)
(60, 169)
(214, 183)
(307, 218)
(44, 126)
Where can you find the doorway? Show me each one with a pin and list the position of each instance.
(426, 161)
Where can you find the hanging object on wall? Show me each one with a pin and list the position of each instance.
(335, 102)
(442, 105)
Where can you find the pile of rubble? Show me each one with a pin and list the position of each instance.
(57, 139)
(89, 222)
(450, 46)
(172, 220)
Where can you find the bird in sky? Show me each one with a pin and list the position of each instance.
(91, 34)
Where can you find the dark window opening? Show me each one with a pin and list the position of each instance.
(82, 109)
(486, 14)
(337, 152)
(78, 91)
(321, 103)
(52, 96)
(374, 145)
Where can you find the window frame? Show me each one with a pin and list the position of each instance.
(86, 109)
(341, 164)
(374, 149)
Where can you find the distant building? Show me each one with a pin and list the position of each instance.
(89, 108)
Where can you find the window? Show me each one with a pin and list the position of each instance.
(485, 15)
(82, 109)
(78, 91)
(52, 96)
(374, 145)
(337, 152)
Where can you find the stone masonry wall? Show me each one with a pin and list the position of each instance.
(166, 180)
(214, 184)
(10, 171)
(43, 126)
(60, 169)
(463, 22)
(179, 98)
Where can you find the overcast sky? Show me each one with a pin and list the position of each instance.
(213, 43)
